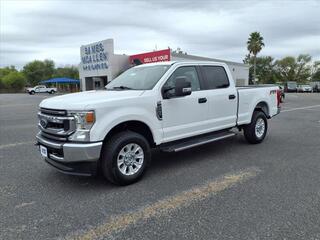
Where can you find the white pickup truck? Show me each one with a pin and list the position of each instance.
(170, 105)
(41, 89)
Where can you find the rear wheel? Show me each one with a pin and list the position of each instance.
(125, 158)
(256, 131)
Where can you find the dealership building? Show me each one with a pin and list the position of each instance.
(99, 65)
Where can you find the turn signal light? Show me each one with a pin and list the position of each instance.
(90, 117)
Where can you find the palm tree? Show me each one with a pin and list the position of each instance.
(254, 45)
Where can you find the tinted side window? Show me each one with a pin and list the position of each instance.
(189, 72)
(216, 77)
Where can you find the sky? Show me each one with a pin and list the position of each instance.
(55, 29)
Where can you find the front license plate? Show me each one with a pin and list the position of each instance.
(43, 151)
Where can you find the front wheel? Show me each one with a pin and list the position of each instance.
(125, 158)
(51, 92)
(256, 131)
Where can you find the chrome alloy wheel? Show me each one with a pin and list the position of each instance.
(260, 127)
(130, 159)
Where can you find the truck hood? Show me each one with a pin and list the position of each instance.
(87, 100)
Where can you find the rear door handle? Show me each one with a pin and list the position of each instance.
(232, 96)
(202, 100)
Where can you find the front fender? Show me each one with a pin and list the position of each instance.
(108, 120)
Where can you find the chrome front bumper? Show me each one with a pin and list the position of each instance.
(71, 152)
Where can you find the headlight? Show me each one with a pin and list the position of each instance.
(84, 120)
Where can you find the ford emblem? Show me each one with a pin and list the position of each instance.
(43, 123)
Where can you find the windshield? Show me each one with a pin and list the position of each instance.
(140, 78)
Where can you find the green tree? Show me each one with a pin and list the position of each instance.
(285, 69)
(265, 71)
(37, 71)
(316, 76)
(254, 45)
(303, 69)
(294, 69)
(14, 80)
(315, 72)
(67, 71)
(4, 72)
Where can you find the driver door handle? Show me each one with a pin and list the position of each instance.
(232, 96)
(202, 100)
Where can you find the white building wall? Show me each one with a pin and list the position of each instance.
(240, 74)
(100, 65)
(120, 63)
(99, 61)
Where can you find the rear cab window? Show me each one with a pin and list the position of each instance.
(215, 77)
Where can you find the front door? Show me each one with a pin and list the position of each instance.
(184, 116)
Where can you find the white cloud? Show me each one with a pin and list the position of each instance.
(56, 29)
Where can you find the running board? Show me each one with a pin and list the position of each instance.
(194, 142)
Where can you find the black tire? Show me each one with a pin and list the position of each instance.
(51, 92)
(32, 92)
(250, 129)
(109, 157)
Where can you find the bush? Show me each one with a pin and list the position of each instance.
(14, 80)
(1, 84)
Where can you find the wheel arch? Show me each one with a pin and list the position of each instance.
(263, 106)
(134, 126)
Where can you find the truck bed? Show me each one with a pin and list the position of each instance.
(256, 86)
(251, 96)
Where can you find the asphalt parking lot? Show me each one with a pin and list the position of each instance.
(224, 190)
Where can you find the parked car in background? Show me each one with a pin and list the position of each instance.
(41, 89)
(304, 88)
(315, 86)
(290, 86)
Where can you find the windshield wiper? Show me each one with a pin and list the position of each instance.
(122, 88)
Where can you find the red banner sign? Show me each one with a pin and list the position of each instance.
(150, 57)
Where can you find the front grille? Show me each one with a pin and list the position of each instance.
(55, 152)
(53, 112)
(53, 137)
(56, 124)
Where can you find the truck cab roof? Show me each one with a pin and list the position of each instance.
(183, 62)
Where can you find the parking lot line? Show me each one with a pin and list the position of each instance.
(15, 144)
(168, 205)
(300, 108)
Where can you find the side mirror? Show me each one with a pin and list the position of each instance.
(182, 86)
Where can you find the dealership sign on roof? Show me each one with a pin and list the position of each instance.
(149, 57)
(95, 56)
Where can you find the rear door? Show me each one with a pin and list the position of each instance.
(222, 97)
(184, 116)
(43, 89)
